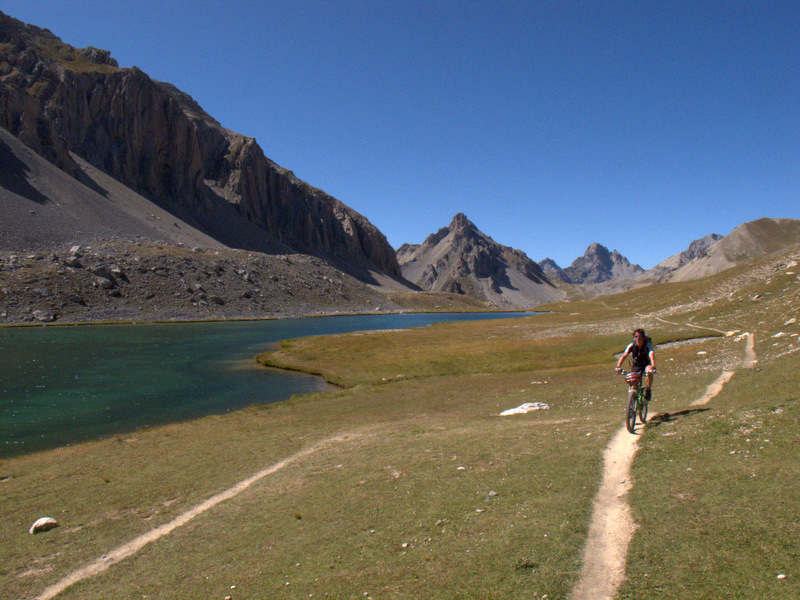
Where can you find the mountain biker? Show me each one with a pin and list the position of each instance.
(644, 359)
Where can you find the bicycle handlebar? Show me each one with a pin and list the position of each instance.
(620, 371)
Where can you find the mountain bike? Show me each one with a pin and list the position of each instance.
(636, 403)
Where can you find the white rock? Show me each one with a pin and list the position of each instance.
(525, 408)
(43, 316)
(43, 524)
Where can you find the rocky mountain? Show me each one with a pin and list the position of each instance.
(78, 109)
(79, 255)
(460, 259)
(748, 241)
(697, 249)
(552, 270)
(596, 266)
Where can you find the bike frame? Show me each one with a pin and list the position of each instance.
(635, 403)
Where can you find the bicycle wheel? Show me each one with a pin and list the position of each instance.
(630, 411)
(643, 409)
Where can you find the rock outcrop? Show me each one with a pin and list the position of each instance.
(460, 259)
(65, 102)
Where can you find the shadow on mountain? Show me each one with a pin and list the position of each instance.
(14, 176)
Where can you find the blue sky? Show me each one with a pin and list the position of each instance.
(551, 125)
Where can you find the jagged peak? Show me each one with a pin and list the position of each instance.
(437, 237)
(597, 249)
(548, 262)
(460, 221)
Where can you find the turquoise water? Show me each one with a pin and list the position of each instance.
(61, 385)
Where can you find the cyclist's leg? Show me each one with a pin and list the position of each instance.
(649, 384)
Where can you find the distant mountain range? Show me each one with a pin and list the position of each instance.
(91, 152)
(459, 258)
(749, 240)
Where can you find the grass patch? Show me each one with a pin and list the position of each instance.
(516, 345)
(434, 496)
(717, 500)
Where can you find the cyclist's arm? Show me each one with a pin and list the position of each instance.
(624, 356)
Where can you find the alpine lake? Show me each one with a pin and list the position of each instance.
(61, 385)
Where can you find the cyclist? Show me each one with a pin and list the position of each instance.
(644, 358)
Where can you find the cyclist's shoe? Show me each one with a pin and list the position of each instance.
(647, 395)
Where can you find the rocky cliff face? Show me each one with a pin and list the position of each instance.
(156, 140)
(460, 259)
(552, 270)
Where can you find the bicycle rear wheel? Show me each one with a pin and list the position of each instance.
(630, 411)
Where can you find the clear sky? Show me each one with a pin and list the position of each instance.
(550, 124)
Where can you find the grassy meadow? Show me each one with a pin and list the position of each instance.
(405, 482)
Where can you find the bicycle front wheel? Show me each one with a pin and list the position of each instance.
(643, 410)
(630, 411)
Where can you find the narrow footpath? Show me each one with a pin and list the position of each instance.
(612, 526)
(132, 547)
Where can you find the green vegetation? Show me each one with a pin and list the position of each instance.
(71, 58)
(415, 487)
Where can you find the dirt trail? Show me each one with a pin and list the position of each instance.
(122, 552)
(612, 526)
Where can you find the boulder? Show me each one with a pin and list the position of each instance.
(44, 316)
(43, 524)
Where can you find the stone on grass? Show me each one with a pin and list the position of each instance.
(525, 408)
(43, 524)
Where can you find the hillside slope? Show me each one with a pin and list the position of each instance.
(748, 241)
(696, 249)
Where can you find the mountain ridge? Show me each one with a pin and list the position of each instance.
(747, 241)
(597, 265)
(62, 101)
